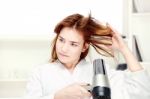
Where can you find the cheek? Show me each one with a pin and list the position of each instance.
(76, 51)
(57, 46)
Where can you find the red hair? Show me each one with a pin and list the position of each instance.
(93, 33)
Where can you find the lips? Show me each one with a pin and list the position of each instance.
(63, 55)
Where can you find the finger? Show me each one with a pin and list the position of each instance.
(85, 92)
(113, 30)
(111, 27)
(88, 94)
(83, 89)
(83, 83)
(88, 87)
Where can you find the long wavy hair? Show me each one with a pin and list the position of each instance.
(94, 33)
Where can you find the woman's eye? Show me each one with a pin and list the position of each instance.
(61, 40)
(75, 45)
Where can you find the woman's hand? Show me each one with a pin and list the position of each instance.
(120, 45)
(117, 41)
(74, 91)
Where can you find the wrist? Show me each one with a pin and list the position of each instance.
(125, 50)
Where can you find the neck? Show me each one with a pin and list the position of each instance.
(71, 66)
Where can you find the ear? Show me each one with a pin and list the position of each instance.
(85, 47)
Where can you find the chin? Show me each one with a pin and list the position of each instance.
(63, 60)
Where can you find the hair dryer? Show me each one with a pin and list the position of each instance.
(100, 88)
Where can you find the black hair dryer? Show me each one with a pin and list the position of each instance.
(100, 88)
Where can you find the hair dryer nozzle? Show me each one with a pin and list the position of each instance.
(101, 88)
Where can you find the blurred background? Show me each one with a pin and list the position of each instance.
(26, 31)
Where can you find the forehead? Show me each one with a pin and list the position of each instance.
(71, 34)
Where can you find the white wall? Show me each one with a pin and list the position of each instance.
(137, 23)
(38, 17)
(26, 26)
(141, 28)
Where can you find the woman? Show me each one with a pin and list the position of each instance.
(68, 72)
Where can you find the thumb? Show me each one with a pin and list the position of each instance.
(86, 86)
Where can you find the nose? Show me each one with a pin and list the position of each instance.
(65, 47)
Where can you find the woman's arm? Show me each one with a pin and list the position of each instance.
(136, 82)
(120, 45)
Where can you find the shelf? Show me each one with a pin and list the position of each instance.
(141, 14)
(19, 54)
(141, 5)
(13, 80)
(137, 23)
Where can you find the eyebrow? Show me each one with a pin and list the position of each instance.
(69, 41)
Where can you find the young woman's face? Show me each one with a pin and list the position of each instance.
(69, 46)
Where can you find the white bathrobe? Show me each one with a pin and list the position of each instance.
(49, 78)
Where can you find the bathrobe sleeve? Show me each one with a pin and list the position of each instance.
(138, 84)
(34, 87)
(129, 85)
